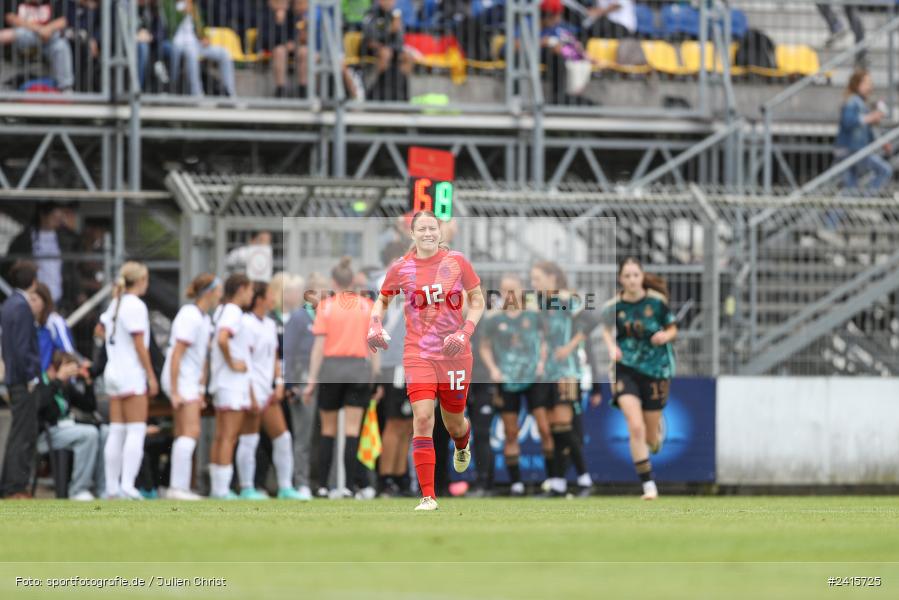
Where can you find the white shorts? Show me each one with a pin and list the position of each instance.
(191, 391)
(122, 387)
(264, 397)
(226, 399)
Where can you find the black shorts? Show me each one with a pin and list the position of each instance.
(344, 383)
(537, 395)
(653, 393)
(395, 403)
(565, 391)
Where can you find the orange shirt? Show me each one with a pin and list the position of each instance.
(343, 320)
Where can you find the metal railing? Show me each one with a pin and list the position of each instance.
(817, 96)
(63, 50)
(419, 55)
(821, 296)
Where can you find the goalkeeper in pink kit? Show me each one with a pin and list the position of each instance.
(443, 304)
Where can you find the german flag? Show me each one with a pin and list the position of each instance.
(438, 52)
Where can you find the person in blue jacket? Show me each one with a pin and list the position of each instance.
(856, 130)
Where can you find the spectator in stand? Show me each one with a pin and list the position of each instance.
(59, 393)
(53, 334)
(837, 30)
(382, 37)
(186, 31)
(34, 25)
(47, 241)
(151, 42)
(23, 369)
(558, 45)
(238, 15)
(604, 18)
(354, 13)
(856, 130)
(282, 31)
(83, 32)
(298, 341)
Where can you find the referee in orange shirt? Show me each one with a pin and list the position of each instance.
(346, 368)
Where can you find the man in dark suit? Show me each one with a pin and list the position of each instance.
(23, 368)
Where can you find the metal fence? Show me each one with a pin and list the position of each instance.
(48, 48)
(758, 288)
(429, 55)
(858, 36)
(779, 65)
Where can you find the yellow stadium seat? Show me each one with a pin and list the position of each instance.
(250, 45)
(662, 57)
(792, 59)
(228, 39)
(605, 53)
(496, 45)
(797, 59)
(602, 52)
(690, 54)
(352, 47)
(495, 63)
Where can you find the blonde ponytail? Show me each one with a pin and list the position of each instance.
(130, 273)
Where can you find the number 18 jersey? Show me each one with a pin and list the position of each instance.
(434, 296)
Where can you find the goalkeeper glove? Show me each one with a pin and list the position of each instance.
(455, 343)
(377, 337)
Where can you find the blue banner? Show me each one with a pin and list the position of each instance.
(688, 453)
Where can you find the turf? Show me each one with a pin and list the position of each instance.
(677, 547)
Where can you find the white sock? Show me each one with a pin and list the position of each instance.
(132, 454)
(215, 480)
(112, 458)
(585, 480)
(226, 472)
(282, 457)
(246, 459)
(182, 461)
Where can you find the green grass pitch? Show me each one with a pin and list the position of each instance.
(606, 547)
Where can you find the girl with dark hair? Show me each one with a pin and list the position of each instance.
(443, 304)
(53, 333)
(129, 379)
(230, 381)
(267, 391)
(184, 376)
(638, 328)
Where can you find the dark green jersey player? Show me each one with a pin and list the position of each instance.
(638, 328)
(635, 322)
(559, 313)
(559, 306)
(516, 345)
(513, 350)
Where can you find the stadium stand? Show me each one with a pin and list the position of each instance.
(709, 138)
